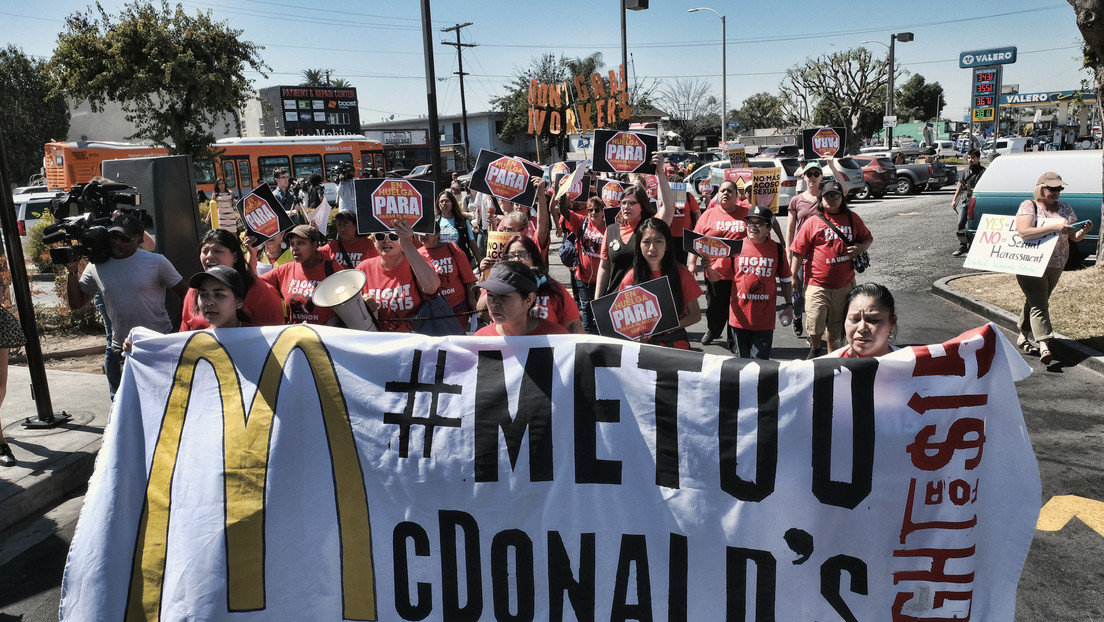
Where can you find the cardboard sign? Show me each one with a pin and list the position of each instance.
(638, 311)
(998, 248)
(574, 185)
(624, 152)
(824, 142)
(496, 245)
(610, 192)
(737, 156)
(505, 177)
(382, 202)
(262, 214)
(679, 189)
(765, 185)
(708, 247)
(737, 175)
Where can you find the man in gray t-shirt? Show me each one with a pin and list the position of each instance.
(132, 283)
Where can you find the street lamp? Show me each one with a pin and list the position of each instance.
(724, 71)
(903, 37)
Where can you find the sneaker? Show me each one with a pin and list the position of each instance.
(798, 326)
(6, 457)
(813, 353)
(707, 339)
(962, 250)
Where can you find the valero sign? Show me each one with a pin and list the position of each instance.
(824, 142)
(383, 202)
(623, 152)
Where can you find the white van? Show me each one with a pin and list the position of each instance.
(1009, 144)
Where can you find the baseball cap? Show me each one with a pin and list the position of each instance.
(1051, 180)
(225, 274)
(127, 224)
(762, 212)
(810, 166)
(504, 280)
(831, 186)
(309, 232)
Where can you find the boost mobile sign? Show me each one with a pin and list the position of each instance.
(985, 58)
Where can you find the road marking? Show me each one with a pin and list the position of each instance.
(1060, 509)
(908, 213)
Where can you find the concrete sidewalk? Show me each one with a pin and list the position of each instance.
(53, 463)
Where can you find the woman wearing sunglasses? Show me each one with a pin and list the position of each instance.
(553, 302)
(831, 275)
(801, 208)
(399, 279)
(589, 229)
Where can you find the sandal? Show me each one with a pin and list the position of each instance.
(1027, 348)
(1046, 357)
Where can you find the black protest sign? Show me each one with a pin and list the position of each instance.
(382, 202)
(824, 142)
(609, 214)
(708, 247)
(262, 214)
(568, 178)
(624, 152)
(505, 177)
(610, 191)
(638, 311)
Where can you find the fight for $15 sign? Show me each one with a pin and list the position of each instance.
(382, 202)
(624, 152)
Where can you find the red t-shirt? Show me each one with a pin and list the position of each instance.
(757, 270)
(396, 293)
(544, 327)
(690, 288)
(359, 249)
(683, 220)
(589, 247)
(830, 265)
(451, 264)
(296, 286)
(717, 223)
(262, 304)
(559, 309)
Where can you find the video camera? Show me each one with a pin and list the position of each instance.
(343, 171)
(86, 232)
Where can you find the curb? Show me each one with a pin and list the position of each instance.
(43, 490)
(1070, 351)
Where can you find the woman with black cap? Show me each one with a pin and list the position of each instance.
(511, 291)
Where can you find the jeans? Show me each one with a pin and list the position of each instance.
(718, 297)
(584, 293)
(98, 301)
(753, 344)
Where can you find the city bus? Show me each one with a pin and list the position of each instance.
(78, 162)
(244, 162)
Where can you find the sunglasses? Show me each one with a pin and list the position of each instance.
(813, 174)
(755, 224)
(394, 237)
(1054, 188)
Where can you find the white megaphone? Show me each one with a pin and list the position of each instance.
(341, 292)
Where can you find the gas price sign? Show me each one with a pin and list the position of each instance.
(986, 87)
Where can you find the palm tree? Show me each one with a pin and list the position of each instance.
(340, 83)
(315, 77)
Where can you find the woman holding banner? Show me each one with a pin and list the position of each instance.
(620, 242)
(399, 279)
(831, 273)
(553, 302)
(654, 257)
(1035, 317)
(260, 300)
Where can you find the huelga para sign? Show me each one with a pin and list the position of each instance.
(383, 202)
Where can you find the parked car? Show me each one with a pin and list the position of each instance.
(1009, 144)
(30, 206)
(29, 189)
(850, 174)
(397, 172)
(879, 177)
(943, 148)
(779, 151)
(1010, 179)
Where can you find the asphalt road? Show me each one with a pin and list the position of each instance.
(913, 240)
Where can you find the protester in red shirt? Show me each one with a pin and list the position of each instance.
(261, 301)
(830, 273)
(399, 279)
(801, 208)
(511, 292)
(296, 280)
(553, 302)
(685, 218)
(756, 272)
(590, 231)
(724, 220)
(517, 219)
(457, 278)
(350, 248)
(655, 258)
(620, 242)
(219, 294)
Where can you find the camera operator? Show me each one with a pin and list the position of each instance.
(346, 195)
(314, 193)
(132, 282)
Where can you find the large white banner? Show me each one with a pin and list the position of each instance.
(299, 473)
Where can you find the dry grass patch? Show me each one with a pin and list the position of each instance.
(1076, 307)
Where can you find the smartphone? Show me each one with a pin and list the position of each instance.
(1080, 223)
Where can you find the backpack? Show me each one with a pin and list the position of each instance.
(569, 252)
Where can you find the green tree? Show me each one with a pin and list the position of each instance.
(760, 111)
(1087, 14)
(175, 75)
(918, 100)
(316, 77)
(32, 113)
(842, 84)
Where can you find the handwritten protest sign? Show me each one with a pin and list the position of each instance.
(737, 156)
(998, 248)
(381, 202)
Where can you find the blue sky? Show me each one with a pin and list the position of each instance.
(377, 46)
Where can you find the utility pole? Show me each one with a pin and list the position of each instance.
(463, 102)
(431, 98)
